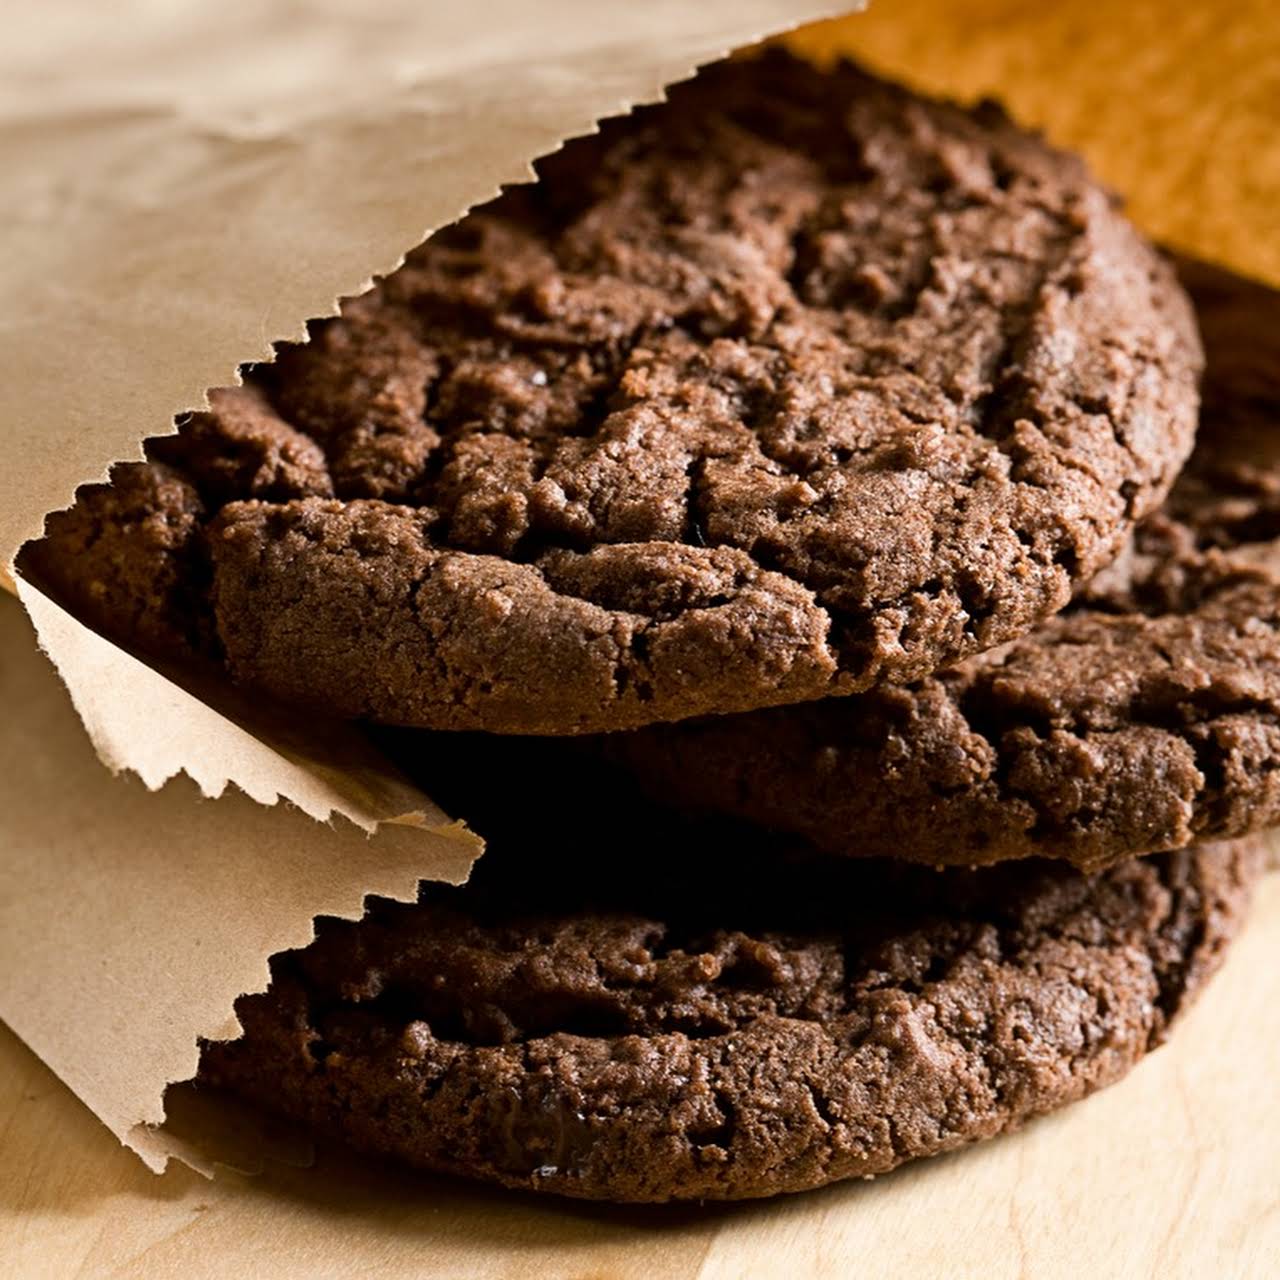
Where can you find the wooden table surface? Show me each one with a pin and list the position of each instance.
(1175, 1172)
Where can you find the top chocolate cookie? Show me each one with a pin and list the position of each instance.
(792, 386)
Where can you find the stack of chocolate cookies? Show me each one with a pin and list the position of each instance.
(803, 534)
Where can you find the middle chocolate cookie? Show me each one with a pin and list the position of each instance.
(1145, 717)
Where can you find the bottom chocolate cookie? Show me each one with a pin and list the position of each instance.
(726, 1026)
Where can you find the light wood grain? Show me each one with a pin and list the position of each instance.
(1173, 1173)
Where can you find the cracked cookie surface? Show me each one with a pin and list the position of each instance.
(1146, 716)
(793, 386)
(697, 1019)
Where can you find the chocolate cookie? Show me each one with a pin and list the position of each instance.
(796, 384)
(700, 1021)
(1147, 716)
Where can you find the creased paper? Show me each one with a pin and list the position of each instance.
(130, 921)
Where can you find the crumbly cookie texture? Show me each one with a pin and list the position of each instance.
(704, 1023)
(1146, 716)
(797, 384)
